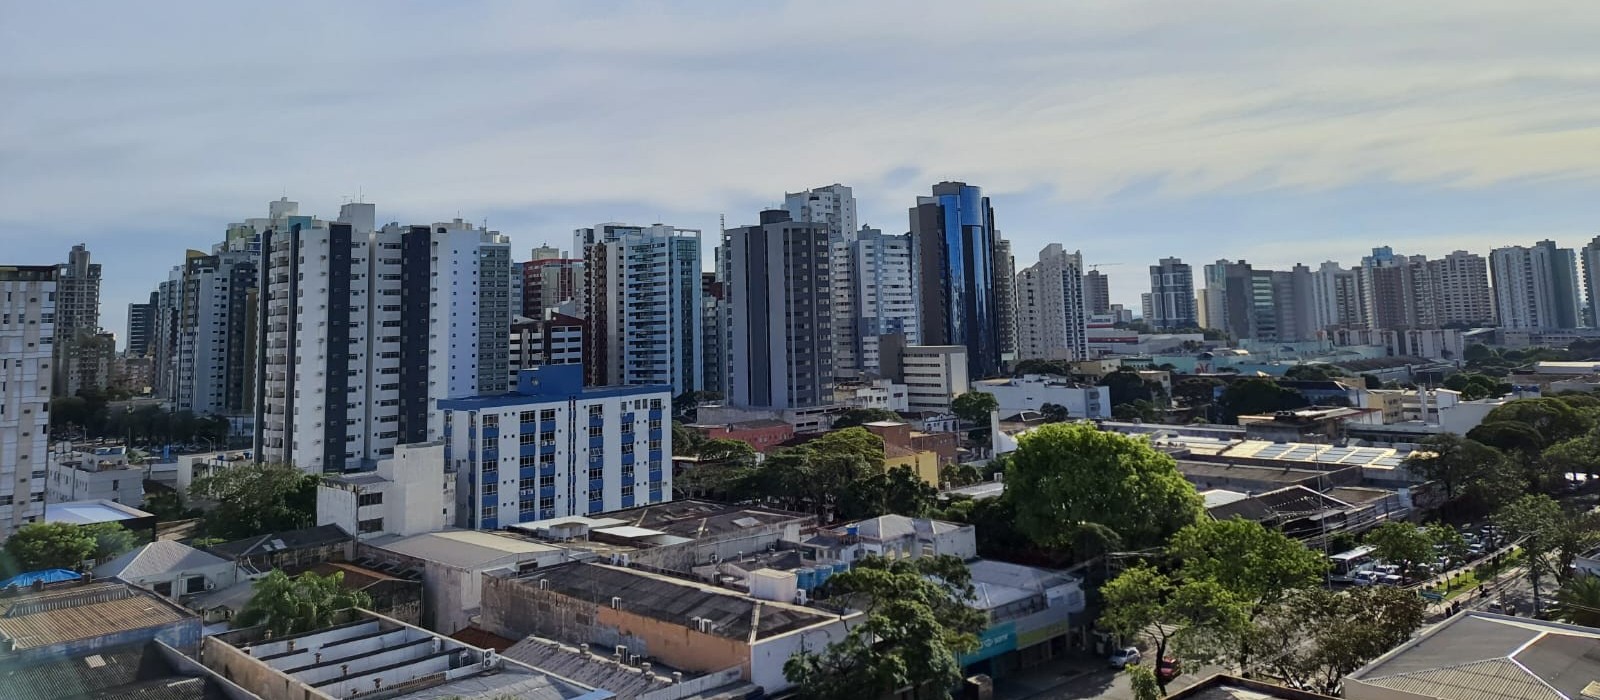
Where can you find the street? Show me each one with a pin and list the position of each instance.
(1077, 678)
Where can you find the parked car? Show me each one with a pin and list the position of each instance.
(1168, 668)
(1126, 656)
(1387, 569)
(1392, 580)
(1365, 578)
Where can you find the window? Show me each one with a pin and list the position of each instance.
(596, 473)
(491, 489)
(525, 484)
(194, 584)
(627, 490)
(597, 411)
(548, 414)
(547, 481)
(370, 499)
(528, 417)
(527, 438)
(655, 444)
(547, 460)
(526, 461)
(547, 503)
(525, 506)
(547, 438)
(373, 525)
(627, 448)
(491, 420)
(490, 512)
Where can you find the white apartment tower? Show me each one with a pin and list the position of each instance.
(881, 296)
(1172, 304)
(1051, 319)
(641, 299)
(1336, 300)
(835, 206)
(1591, 279)
(1536, 287)
(27, 330)
(1460, 289)
(366, 330)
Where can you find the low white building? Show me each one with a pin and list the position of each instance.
(900, 537)
(409, 494)
(1031, 392)
(877, 393)
(171, 569)
(452, 564)
(100, 473)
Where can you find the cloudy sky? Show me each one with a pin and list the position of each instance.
(1270, 130)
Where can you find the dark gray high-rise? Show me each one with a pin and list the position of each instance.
(141, 327)
(953, 251)
(780, 296)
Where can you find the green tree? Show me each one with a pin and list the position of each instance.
(1196, 391)
(167, 506)
(1474, 476)
(1317, 371)
(916, 622)
(1058, 368)
(1578, 455)
(300, 604)
(1454, 544)
(1544, 530)
(1401, 544)
(723, 470)
(1143, 682)
(38, 546)
(1066, 475)
(1553, 419)
(685, 440)
(1321, 636)
(861, 416)
(899, 491)
(1195, 619)
(1127, 387)
(256, 499)
(974, 406)
(110, 539)
(1055, 413)
(1258, 395)
(1578, 601)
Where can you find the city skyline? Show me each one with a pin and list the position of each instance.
(1106, 130)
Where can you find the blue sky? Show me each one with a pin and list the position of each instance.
(1278, 132)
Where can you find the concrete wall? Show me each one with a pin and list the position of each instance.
(252, 675)
(684, 557)
(767, 656)
(218, 576)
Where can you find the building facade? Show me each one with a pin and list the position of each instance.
(216, 352)
(549, 280)
(81, 363)
(1096, 293)
(834, 206)
(1336, 300)
(1051, 323)
(1536, 287)
(1459, 291)
(553, 448)
(557, 340)
(141, 327)
(883, 300)
(1172, 304)
(934, 375)
(953, 251)
(781, 298)
(27, 336)
(642, 302)
(1591, 279)
(408, 494)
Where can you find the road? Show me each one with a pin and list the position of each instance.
(1079, 678)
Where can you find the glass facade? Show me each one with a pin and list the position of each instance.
(964, 303)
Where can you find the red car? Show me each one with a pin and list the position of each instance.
(1168, 669)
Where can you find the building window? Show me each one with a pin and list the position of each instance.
(528, 438)
(548, 414)
(490, 512)
(597, 411)
(525, 506)
(548, 439)
(627, 490)
(547, 481)
(529, 416)
(547, 503)
(491, 489)
(627, 448)
(491, 420)
(370, 499)
(526, 460)
(525, 484)
(373, 525)
(596, 473)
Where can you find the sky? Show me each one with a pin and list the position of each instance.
(1274, 131)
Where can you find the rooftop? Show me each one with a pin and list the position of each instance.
(91, 512)
(661, 524)
(1482, 656)
(159, 557)
(83, 612)
(547, 383)
(462, 548)
(375, 652)
(1221, 687)
(1212, 470)
(319, 536)
(590, 668)
(135, 671)
(1293, 501)
(893, 527)
(675, 601)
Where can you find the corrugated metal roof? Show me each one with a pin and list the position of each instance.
(156, 558)
(1493, 679)
(83, 613)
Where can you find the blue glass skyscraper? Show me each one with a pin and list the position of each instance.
(953, 249)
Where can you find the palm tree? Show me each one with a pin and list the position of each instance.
(301, 604)
(1578, 602)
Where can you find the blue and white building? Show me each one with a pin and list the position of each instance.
(555, 448)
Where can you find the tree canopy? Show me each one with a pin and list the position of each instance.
(916, 623)
(974, 406)
(255, 499)
(1319, 636)
(45, 545)
(861, 416)
(1401, 543)
(1064, 476)
(1258, 395)
(1195, 619)
(1258, 565)
(301, 604)
(1476, 478)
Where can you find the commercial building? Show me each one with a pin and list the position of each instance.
(1051, 323)
(150, 670)
(97, 511)
(698, 628)
(452, 564)
(761, 435)
(554, 448)
(934, 375)
(410, 493)
(1591, 279)
(641, 298)
(1172, 302)
(1536, 287)
(953, 253)
(366, 330)
(1005, 291)
(367, 654)
(1032, 391)
(680, 536)
(715, 340)
(27, 337)
(1430, 343)
(834, 207)
(93, 474)
(781, 315)
(1335, 297)
(1478, 655)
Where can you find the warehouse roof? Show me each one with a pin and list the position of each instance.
(83, 612)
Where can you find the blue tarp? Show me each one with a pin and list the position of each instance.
(47, 576)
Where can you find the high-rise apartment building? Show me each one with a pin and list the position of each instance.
(28, 296)
(1591, 279)
(1212, 297)
(1335, 297)
(1097, 292)
(141, 327)
(217, 326)
(881, 299)
(714, 376)
(366, 330)
(554, 448)
(953, 252)
(780, 295)
(1051, 319)
(1459, 290)
(835, 207)
(549, 280)
(82, 359)
(1005, 292)
(642, 302)
(535, 342)
(1388, 290)
(1536, 287)
(1172, 303)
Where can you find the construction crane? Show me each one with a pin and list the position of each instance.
(1097, 266)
